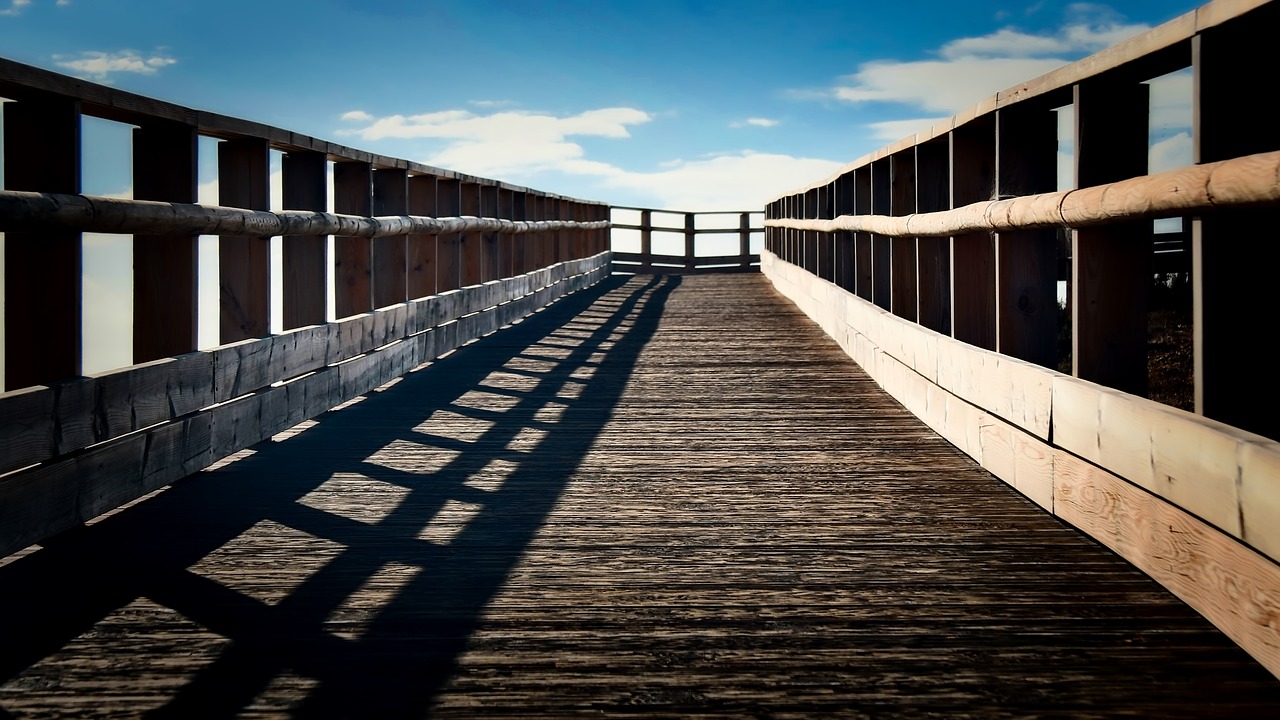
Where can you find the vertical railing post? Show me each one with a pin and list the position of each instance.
(165, 308)
(864, 263)
(304, 179)
(646, 240)
(390, 197)
(42, 269)
(536, 243)
(843, 204)
(744, 240)
(352, 195)
(902, 201)
(933, 254)
(826, 241)
(489, 249)
(809, 205)
(1234, 253)
(881, 246)
(472, 242)
(973, 255)
(244, 263)
(448, 246)
(564, 246)
(690, 239)
(1026, 260)
(1111, 264)
(420, 262)
(520, 255)
(506, 241)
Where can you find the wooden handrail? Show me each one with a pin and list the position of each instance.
(27, 211)
(1249, 181)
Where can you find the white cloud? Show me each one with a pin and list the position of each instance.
(756, 122)
(1170, 154)
(736, 181)
(968, 69)
(98, 65)
(491, 103)
(356, 116)
(16, 7)
(504, 143)
(892, 130)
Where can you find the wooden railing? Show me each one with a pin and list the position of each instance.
(411, 280)
(679, 251)
(934, 263)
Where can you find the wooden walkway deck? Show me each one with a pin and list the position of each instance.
(666, 497)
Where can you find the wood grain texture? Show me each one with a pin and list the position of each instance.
(505, 534)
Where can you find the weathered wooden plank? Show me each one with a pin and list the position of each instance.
(421, 259)
(353, 269)
(244, 263)
(448, 246)
(164, 266)
(304, 177)
(390, 197)
(42, 269)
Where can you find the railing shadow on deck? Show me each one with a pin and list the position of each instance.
(373, 497)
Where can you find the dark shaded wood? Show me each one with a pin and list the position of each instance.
(471, 248)
(506, 243)
(390, 197)
(933, 255)
(826, 241)
(490, 250)
(448, 246)
(845, 260)
(973, 256)
(420, 250)
(881, 246)
(165, 299)
(1227, 278)
(42, 269)
(244, 263)
(903, 275)
(304, 184)
(1026, 260)
(352, 256)
(864, 276)
(1111, 264)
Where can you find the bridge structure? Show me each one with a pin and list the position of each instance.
(512, 453)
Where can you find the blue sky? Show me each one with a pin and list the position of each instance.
(667, 104)
(677, 104)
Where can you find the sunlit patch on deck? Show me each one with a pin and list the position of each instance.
(448, 424)
(492, 476)
(352, 618)
(449, 522)
(267, 561)
(419, 458)
(356, 497)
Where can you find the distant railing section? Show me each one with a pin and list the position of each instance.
(935, 263)
(423, 261)
(682, 253)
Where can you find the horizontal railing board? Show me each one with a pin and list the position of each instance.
(654, 258)
(44, 422)
(38, 502)
(682, 230)
(1178, 517)
(27, 211)
(1249, 181)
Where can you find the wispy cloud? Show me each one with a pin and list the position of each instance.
(99, 65)
(491, 103)
(756, 122)
(15, 8)
(968, 69)
(357, 116)
(891, 130)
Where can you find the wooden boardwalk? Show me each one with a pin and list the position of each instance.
(663, 497)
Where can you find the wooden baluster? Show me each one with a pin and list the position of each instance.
(42, 270)
(489, 247)
(449, 246)
(1234, 252)
(973, 255)
(421, 261)
(506, 241)
(521, 257)
(1111, 264)
(646, 241)
(744, 240)
(533, 242)
(933, 254)
(564, 238)
(690, 239)
(1027, 260)
(352, 195)
(881, 246)
(826, 241)
(244, 263)
(472, 250)
(904, 298)
(304, 179)
(390, 197)
(843, 204)
(165, 305)
(809, 251)
(863, 265)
